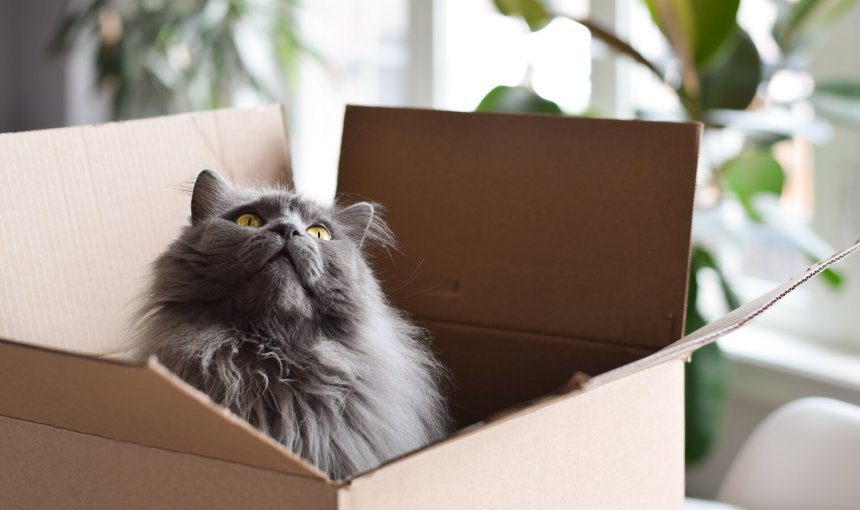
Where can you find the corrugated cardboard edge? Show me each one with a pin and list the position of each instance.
(221, 114)
(722, 326)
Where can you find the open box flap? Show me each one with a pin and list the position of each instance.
(87, 209)
(581, 383)
(722, 326)
(567, 226)
(141, 404)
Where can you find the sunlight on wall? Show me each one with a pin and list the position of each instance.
(477, 49)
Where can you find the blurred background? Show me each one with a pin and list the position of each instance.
(776, 82)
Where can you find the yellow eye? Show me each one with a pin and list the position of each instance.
(320, 232)
(249, 220)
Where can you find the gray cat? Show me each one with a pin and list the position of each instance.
(266, 303)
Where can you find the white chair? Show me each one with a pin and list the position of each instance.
(803, 456)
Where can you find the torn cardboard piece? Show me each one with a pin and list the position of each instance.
(533, 247)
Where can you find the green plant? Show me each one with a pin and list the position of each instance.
(721, 80)
(158, 56)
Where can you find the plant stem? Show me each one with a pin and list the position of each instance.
(621, 46)
(617, 44)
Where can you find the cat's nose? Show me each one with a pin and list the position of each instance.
(286, 230)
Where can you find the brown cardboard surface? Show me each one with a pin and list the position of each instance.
(618, 447)
(43, 467)
(86, 209)
(493, 370)
(140, 404)
(565, 226)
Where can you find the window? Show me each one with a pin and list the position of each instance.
(377, 53)
(364, 48)
(478, 49)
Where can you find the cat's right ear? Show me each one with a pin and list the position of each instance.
(208, 193)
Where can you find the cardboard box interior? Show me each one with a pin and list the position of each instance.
(532, 260)
(532, 247)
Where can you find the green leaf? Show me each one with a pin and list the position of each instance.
(140, 67)
(694, 319)
(702, 258)
(675, 19)
(847, 88)
(715, 24)
(838, 100)
(519, 99)
(798, 233)
(769, 125)
(832, 278)
(704, 377)
(700, 27)
(705, 380)
(807, 21)
(731, 83)
(752, 173)
(532, 11)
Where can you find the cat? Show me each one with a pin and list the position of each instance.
(266, 303)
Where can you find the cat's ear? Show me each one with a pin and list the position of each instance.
(209, 192)
(359, 220)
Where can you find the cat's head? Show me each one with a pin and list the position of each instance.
(258, 252)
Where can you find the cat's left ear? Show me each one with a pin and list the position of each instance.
(208, 194)
(358, 219)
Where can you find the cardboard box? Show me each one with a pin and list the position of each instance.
(537, 249)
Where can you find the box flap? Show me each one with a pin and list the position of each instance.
(87, 209)
(495, 369)
(722, 326)
(620, 447)
(49, 468)
(580, 385)
(145, 405)
(567, 226)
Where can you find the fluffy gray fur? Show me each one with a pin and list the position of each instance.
(290, 332)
